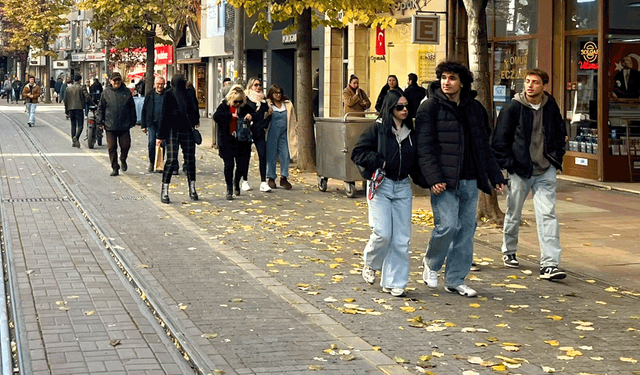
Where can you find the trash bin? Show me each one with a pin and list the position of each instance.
(335, 139)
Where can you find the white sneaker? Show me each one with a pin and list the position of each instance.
(245, 186)
(428, 276)
(369, 274)
(462, 290)
(396, 292)
(264, 187)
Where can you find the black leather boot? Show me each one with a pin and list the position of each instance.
(229, 193)
(164, 194)
(192, 191)
(236, 185)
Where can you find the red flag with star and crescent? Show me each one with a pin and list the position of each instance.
(380, 42)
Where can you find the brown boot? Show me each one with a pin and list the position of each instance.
(272, 183)
(284, 183)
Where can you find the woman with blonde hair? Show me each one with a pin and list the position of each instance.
(233, 151)
(257, 101)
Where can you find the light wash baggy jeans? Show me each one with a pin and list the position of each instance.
(31, 110)
(390, 221)
(544, 204)
(454, 216)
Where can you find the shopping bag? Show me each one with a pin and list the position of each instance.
(158, 163)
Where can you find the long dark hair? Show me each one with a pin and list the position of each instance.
(179, 91)
(386, 110)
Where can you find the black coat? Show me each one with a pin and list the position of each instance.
(399, 162)
(148, 108)
(228, 145)
(414, 95)
(260, 122)
(512, 137)
(116, 109)
(174, 119)
(441, 145)
(383, 93)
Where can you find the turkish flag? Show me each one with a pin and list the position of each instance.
(380, 42)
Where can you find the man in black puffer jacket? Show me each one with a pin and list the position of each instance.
(452, 133)
(529, 142)
(117, 114)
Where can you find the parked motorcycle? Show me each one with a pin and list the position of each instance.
(94, 133)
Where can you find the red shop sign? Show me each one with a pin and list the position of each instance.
(164, 55)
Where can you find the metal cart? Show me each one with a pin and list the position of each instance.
(335, 139)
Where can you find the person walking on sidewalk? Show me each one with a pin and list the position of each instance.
(231, 150)
(151, 115)
(75, 100)
(282, 120)
(389, 147)
(17, 89)
(31, 93)
(116, 114)
(58, 87)
(391, 85)
(529, 142)
(63, 88)
(455, 157)
(8, 89)
(263, 111)
(178, 119)
(414, 94)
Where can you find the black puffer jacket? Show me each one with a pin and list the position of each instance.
(512, 137)
(260, 123)
(440, 140)
(228, 145)
(400, 160)
(116, 109)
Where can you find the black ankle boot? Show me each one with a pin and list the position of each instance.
(192, 191)
(229, 193)
(164, 193)
(236, 185)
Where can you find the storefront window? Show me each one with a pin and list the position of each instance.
(511, 61)
(582, 14)
(624, 91)
(624, 14)
(581, 93)
(512, 17)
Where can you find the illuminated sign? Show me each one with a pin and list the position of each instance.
(589, 54)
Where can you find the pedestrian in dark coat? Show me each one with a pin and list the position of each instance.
(414, 95)
(392, 84)
(180, 117)
(456, 160)
(151, 116)
(75, 100)
(116, 114)
(229, 112)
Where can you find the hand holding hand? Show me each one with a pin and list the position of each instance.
(144, 130)
(499, 188)
(439, 188)
(247, 117)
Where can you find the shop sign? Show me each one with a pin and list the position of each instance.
(425, 29)
(37, 61)
(76, 57)
(61, 64)
(289, 38)
(188, 55)
(500, 93)
(164, 55)
(509, 71)
(94, 57)
(589, 56)
(402, 6)
(582, 161)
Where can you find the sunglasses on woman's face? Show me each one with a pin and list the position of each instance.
(400, 107)
(237, 101)
(257, 84)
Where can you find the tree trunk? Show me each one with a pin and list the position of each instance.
(45, 80)
(488, 208)
(304, 96)
(150, 67)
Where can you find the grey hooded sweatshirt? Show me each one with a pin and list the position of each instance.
(536, 148)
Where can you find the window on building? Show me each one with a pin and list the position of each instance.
(512, 17)
(582, 14)
(511, 60)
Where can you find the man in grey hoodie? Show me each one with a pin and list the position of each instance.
(529, 142)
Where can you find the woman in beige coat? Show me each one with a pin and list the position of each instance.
(354, 98)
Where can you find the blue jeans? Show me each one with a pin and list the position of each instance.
(454, 216)
(152, 133)
(277, 146)
(544, 204)
(390, 221)
(31, 109)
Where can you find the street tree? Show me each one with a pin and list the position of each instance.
(488, 208)
(308, 14)
(131, 25)
(34, 25)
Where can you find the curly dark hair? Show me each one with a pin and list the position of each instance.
(466, 77)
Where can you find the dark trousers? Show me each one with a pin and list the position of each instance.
(152, 133)
(188, 144)
(241, 163)
(261, 148)
(123, 137)
(77, 122)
